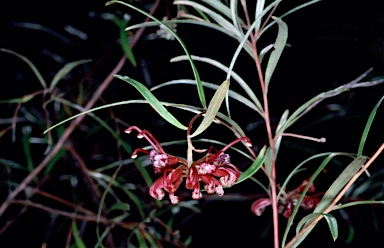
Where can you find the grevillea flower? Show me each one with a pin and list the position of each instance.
(288, 201)
(214, 171)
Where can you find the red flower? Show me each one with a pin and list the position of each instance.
(288, 201)
(214, 170)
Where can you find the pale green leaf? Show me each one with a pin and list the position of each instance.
(279, 45)
(259, 10)
(213, 108)
(339, 183)
(234, 75)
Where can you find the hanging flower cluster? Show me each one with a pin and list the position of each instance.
(214, 171)
(288, 201)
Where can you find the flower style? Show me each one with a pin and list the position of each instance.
(289, 200)
(214, 171)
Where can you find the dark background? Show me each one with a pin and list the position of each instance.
(331, 43)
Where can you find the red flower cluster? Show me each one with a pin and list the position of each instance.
(289, 200)
(214, 170)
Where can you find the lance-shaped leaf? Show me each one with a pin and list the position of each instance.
(200, 89)
(65, 70)
(213, 108)
(256, 165)
(332, 223)
(281, 40)
(152, 100)
(367, 127)
(30, 64)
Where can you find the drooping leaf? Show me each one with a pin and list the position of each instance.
(65, 70)
(213, 108)
(152, 100)
(332, 224)
(308, 218)
(200, 89)
(279, 45)
(30, 64)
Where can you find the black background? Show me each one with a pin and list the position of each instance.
(331, 43)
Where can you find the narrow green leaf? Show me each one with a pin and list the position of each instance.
(27, 147)
(355, 203)
(332, 223)
(246, 36)
(140, 239)
(282, 121)
(215, 16)
(30, 64)
(11, 164)
(23, 99)
(213, 108)
(367, 127)
(329, 195)
(339, 183)
(259, 10)
(200, 89)
(65, 70)
(124, 144)
(298, 167)
(196, 22)
(279, 45)
(234, 76)
(296, 208)
(306, 220)
(235, 15)
(288, 13)
(75, 231)
(125, 45)
(268, 162)
(231, 93)
(152, 100)
(255, 166)
(119, 206)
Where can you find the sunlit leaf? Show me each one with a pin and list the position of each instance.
(213, 108)
(259, 10)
